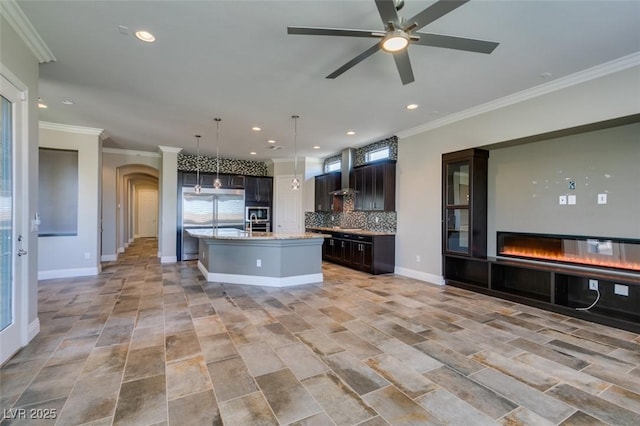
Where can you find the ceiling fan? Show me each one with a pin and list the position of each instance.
(399, 33)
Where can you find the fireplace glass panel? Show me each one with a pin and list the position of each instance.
(612, 253)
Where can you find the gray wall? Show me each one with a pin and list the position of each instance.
(525, 183)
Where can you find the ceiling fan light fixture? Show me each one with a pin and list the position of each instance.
(395, 41)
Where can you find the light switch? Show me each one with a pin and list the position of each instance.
(572, 200)
(563, 200)
(602, 198)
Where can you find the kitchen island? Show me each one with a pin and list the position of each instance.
(259, 258)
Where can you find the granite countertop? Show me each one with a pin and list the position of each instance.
(237, 234)
(350, 231)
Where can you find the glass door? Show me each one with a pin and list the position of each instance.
(10, 322)
(457, 208)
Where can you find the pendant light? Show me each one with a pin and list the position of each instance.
(197, 189)
(217, 183)
(295, 183)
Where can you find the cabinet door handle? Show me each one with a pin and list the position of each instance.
(343, 244)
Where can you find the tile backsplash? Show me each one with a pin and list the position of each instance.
(348, 218)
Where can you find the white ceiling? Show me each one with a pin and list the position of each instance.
(234, 60)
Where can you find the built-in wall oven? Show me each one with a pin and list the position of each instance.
(258, 218)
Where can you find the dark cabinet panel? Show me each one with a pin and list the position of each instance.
(376, 186)
(258, 189)
(207, 179)
(324, 185)
(374, 254)
(464, 200)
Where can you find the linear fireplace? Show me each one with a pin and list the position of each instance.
(610, 253)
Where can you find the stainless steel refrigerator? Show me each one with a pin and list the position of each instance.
(212, 208)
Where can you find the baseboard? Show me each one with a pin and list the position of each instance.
(121, 250)
(33, 329)
(168, 259)
(258, 280)
(159, 253)
(67, 273)
(109, 257)
(131, 240)
(419, 275)
(126, 245)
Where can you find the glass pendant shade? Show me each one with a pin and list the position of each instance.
(217, 184)
(295, 183)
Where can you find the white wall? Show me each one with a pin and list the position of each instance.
(68, 256)
(20, 66)
(418, 186)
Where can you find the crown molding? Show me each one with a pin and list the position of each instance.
(27, 32)
(71, 129)
(583, 76)
(130, 152)
(169, 149)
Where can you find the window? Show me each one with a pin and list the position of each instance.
(333, 166)
(378, 154)
(58, 192)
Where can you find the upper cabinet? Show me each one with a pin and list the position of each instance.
(465, 202)
(207, 179)
(376, 186)
(258, 189)
(324, 185)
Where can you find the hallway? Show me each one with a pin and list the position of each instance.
(145, 344)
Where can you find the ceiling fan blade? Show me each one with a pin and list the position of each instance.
(404, 66)
(331, 32)
(435, 11)
(387, 11)
(451, 42)
(361, 57)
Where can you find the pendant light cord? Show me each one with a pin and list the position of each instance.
(198, 161)
(217, 120)
(295, 145)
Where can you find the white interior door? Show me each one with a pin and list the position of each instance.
(288, 206)
(147, 213)
(11, 308)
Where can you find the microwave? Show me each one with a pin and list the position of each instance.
(262, 214)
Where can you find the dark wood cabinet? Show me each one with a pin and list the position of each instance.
(324, 185)
(207, 179)
(374, 254)
(375, 185)
(464, 201)
(258, 189)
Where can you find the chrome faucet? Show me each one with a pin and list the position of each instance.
(251, 218)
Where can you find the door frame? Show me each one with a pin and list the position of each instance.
(20, 160)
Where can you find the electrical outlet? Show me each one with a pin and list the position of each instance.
(377, 219)
(87, 255)
(562, 200)
(259, 263)
(418, 259)
(602, 198)
(593, 284)
(621, 290)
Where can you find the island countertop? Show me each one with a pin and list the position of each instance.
(237, 234)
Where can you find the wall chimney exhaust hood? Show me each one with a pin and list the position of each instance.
(348, 156)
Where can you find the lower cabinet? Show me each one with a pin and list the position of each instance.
(557, 288)
(374, 254)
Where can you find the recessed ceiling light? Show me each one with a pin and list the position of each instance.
(271, 141)
(145, 36)
(351, 133)
(67, 102)
(412, 106)
(252, 153)
(256, 129)
(316, 147)
(42, 105)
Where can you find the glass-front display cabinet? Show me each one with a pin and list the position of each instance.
(465, 202)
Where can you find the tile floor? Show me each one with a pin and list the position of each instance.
(147, 344)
